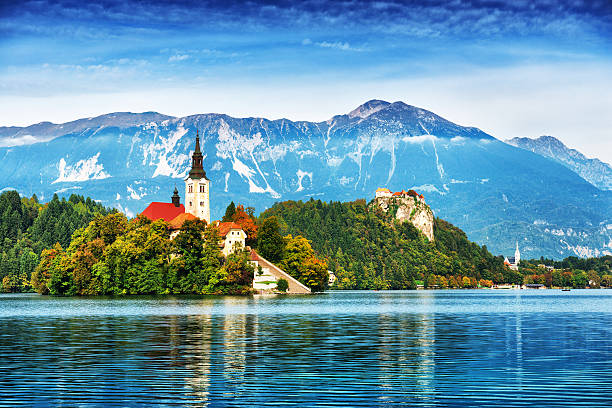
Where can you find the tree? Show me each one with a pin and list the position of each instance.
(229, 212)
(271, 243)
(282, 285)
(299, 261)
(247, 223)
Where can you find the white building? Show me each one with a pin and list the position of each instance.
(383, 192)
(232, 236)
(513, 262)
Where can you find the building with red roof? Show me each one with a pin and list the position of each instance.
(197, 187)
(231, 234)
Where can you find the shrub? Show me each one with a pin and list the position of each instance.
(282, 285)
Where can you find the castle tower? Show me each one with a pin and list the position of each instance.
(197, 193)
(517, 254)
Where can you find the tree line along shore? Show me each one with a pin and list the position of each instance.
(76, 246)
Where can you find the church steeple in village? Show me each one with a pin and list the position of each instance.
(197, 169)
(197, 185)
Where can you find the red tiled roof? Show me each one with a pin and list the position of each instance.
(225, 227)
(165, 211)
(178, 221)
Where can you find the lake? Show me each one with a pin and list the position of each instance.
(467, 348)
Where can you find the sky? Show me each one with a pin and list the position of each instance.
(512, 69)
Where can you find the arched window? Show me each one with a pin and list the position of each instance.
(191, 188)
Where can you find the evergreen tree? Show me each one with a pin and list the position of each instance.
(229, 212)
(270, 243)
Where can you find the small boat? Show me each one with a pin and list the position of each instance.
(565, 289)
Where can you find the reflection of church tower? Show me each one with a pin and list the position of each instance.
(517, 255)
(197, 194)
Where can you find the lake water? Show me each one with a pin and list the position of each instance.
(416, 348)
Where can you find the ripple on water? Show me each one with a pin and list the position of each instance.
(442, 348)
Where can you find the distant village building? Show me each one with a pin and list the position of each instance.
(197, 206)
(513, 262)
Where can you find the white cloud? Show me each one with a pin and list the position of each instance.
(178, 57)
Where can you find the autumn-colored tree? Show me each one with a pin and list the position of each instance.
(300, 262)
(42, 273)
(247, 223)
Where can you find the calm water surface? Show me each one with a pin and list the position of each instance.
(418, 348)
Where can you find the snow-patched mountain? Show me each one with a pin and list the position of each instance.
(495, 192)
(45, 131)
(594, 171)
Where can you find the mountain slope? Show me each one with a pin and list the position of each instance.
(594, 171)
(495, 192)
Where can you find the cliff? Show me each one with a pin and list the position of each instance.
(410, 209)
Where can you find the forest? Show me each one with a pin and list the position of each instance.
(368, 249)
(79, 247)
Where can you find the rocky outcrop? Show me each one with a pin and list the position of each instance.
(412, 209)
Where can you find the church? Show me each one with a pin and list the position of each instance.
(197, 205)
(513, 262)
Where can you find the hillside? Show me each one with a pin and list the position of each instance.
(368, 248)
(495, 192)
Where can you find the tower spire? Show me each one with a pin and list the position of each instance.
(197, 147)
(176, 199)
(197, 169)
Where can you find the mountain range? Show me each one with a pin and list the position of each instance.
(498, 193)
(594, 171)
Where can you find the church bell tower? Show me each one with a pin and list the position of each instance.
(197, 186)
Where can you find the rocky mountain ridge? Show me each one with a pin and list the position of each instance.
(495, 192)
(594, 171)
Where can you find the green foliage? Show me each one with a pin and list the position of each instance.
(27, 228)
(270, 242)
(300, 262)
(571, 272)
(282, 285)
(229, 212)
(368, 249)
(114, 256)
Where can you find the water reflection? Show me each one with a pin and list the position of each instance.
(445, 348)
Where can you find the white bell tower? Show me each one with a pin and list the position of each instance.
(197, 186)
(517, 254)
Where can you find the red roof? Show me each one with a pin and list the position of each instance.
(225, 227)
(178, 221)
(165, 211)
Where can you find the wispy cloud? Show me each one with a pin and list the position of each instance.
(177, 58)
(337, 45)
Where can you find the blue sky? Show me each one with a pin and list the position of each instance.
(517, 68)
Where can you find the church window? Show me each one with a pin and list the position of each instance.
(201, 189)
(190, 204)
(190, 188)
(202, 203)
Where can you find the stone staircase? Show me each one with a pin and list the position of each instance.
(266, 282)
